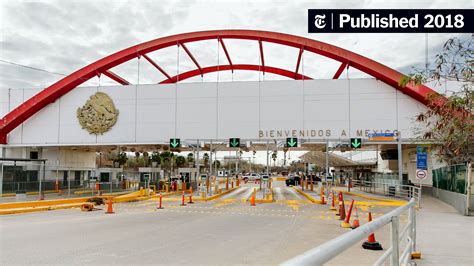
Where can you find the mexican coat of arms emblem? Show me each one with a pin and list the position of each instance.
(98, 115)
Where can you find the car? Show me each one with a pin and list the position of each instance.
(254, 176)
(292, 180)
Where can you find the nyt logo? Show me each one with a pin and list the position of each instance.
(391, 20)
(320, 21)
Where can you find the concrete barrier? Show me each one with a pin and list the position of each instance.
(306, 195)
(42, 203)
(216, 195)
(457, 200)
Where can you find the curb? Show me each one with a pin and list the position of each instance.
(270, 200)
(42, 203)
(133, 198)
(310, 198)
(369, 197)
(7, 195)
(215, 196)
(41, 208)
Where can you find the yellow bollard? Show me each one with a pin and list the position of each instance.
(167, 188)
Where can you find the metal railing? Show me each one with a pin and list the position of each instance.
(336, 246)
(389, 189)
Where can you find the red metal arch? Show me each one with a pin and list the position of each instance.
(205, 70)
(103, 66)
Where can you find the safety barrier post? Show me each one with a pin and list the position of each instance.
(161, 202)
(394, 239)
(182, 200)
(412, 233)
(191, 196)
(333, 207)
(321, 195)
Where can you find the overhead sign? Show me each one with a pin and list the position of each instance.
(421, 158)
(175, 143)
(234, 142)
(291, 142)
(382, 136)
(421, 174)
(356, 143)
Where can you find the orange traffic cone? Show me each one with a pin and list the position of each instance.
(346, 223)
(371, 243)
(60, 192)
(109, 207)
(252, 201)
(355, 223)
(342, 208)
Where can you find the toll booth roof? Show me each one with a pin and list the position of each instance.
(319, 158)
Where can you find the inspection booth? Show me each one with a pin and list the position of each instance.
(151, 176)
(189, 175)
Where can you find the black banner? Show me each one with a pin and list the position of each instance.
(390, 20)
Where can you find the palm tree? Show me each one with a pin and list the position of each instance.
(274, 157)
(206, 159)
(190, 158)
(216, 164)
(166, 158)
(180, 161)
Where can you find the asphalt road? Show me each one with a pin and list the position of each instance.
(224, 231)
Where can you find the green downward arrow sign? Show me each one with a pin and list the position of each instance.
(291, 142)
(174, 143)
(234, 142)
(356, 143)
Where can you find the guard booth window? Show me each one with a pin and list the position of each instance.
(33, 155)
(104, 177)
(77, 178)
(65, 173)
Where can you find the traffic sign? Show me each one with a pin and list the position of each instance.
(356, 143)
(421, 174)
(291, 142)
(382, 136)
(421, 158)
(234, 142)
(175, 143)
